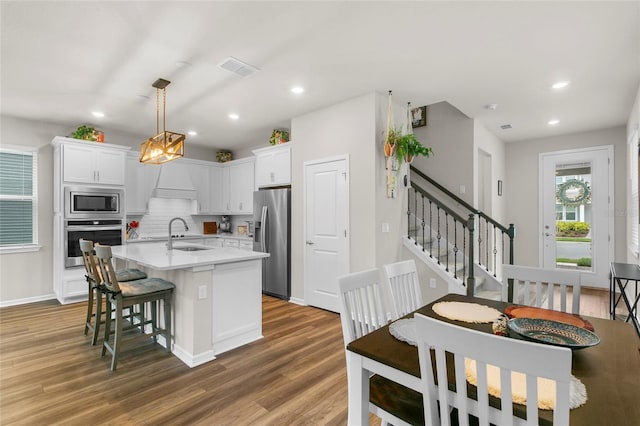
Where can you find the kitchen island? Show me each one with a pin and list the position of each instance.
(217, 304)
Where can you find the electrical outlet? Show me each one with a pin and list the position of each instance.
(385, 227)
(432, 282)
(463, 189)
(202, 292)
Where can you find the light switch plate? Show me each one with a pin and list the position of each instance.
(202, 292)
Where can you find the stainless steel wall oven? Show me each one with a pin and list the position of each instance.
(103, 231)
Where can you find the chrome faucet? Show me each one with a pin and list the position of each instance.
(170, 240)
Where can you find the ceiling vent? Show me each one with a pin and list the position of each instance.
(505, 126)
(237, 67)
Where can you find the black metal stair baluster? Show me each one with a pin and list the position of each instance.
(487, 243)
(495, 251)
(455, 248)
(431, 229)
(438, 235)
(423, 223)
(464, 250)
(415, 215)
(479, 241)
(409, 192)
(446, 234)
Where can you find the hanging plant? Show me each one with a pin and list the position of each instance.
(573, 193)
(391, 142)
(409, 147)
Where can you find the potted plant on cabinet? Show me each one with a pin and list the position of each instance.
(408, 147)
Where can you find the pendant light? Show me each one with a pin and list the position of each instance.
(164, 146)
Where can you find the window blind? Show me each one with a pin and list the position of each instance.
(18, 196)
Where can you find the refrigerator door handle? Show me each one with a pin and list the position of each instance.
(263, 229)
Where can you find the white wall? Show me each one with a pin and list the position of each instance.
(489, 143)
(632, 124)
(345, 128)
(522, 182)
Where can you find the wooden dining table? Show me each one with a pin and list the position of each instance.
(386, 371)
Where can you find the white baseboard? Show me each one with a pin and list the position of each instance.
(26, 300)
(297, 301)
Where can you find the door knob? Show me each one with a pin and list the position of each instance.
(310, 243)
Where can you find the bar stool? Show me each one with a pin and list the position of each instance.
(96, 289)
(126, 294)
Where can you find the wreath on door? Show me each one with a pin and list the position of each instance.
(573, 193)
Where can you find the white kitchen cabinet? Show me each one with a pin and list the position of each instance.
(93, 163)
(238, 243)
(241, 185)
(273, 166)
(140, 180)
(246, 245)
(233, 185)
(214, 242)
(201, 179)
(219, 189)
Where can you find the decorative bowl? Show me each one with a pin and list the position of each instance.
(553, 333)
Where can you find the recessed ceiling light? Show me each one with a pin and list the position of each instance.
(560, 85)
(97, 114)
(297, 89)
(491, 107)
(553, 122)
(181, 64)
(192, 133)
(234, 116)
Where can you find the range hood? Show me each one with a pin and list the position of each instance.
(174, 181)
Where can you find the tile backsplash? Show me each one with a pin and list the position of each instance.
(162, 210)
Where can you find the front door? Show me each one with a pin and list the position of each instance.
(576, 212)
(326, 230)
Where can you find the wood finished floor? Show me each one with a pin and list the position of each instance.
(50, 374)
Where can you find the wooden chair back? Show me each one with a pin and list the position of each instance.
(93, 275)
(362, 308)
(106, 268)
(509, 355)
(403, 287)
(541, 287)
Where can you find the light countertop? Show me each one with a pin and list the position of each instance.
(155, 255)
(188, 237)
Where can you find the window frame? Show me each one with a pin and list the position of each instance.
(33, 246)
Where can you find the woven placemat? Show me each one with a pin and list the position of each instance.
(467, 312)
(546, 387)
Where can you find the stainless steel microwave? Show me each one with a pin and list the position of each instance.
(85, 202)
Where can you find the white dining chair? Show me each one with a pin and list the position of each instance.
(509, 355)
(540, 287)
(362, 310)
(403, 287)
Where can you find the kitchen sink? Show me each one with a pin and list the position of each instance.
(190, 248)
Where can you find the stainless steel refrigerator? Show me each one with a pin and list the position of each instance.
(272, 234)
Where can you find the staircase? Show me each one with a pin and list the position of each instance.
(461, 244)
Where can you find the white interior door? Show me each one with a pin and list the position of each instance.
(577, 186)
(326, 230)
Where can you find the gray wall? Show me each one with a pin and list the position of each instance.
(522, 183)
